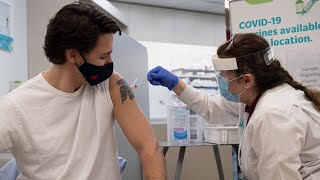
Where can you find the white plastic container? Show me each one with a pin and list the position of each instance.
(178, 123)
(221, 135)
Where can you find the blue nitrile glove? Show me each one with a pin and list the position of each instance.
(160, 76)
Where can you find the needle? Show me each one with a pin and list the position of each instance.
(141, 83)
(135, 85)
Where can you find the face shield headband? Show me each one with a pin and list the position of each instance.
(231, 63)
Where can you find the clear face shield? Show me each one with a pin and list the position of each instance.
(227, 64)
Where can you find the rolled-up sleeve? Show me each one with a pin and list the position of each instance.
(8, 124)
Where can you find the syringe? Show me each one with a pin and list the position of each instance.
(308, 6)
(135, 85)
(139, 84)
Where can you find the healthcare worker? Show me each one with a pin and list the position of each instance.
(280, 117)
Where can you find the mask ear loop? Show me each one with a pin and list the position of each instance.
(85, 60)
(245, 88)
(82, 56)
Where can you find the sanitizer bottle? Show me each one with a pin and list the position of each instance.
(178, 122)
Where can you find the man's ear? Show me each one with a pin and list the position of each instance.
(71, 55)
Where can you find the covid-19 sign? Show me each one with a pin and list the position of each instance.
(292, 28)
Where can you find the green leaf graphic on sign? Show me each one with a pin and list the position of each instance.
(258, 1)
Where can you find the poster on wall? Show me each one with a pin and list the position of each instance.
(6, 41)
(292, 28)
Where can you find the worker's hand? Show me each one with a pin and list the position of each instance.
(160, 76)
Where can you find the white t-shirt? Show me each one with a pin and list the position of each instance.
(56, 135)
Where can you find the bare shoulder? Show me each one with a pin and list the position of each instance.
(114, 78)
(119, 89)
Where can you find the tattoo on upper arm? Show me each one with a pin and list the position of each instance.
(125, 90)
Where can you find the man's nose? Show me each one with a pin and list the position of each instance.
(109, 60)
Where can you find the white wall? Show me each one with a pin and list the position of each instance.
(148, 23)
(39, 14)
(13, 65)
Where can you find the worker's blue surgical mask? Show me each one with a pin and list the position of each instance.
(224, 89)
(95, 74)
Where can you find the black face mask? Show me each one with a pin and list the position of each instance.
(95, 74)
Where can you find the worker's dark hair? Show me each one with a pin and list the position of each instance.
(266, 76)
(76, 26)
